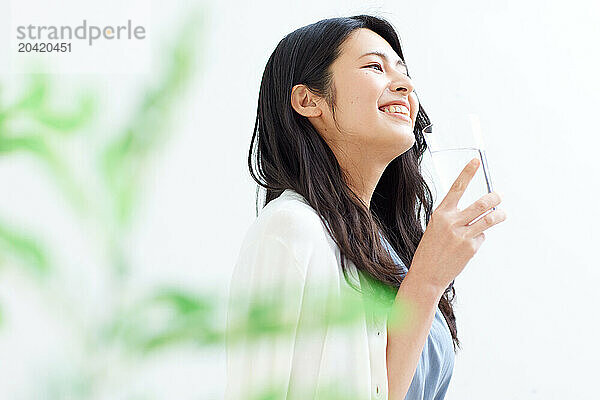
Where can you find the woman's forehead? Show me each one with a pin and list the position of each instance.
(363, 42)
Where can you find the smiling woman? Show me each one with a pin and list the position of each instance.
(365, 138)
(337, 144)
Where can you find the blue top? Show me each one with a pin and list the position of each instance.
(436, 364)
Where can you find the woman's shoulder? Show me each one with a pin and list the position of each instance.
(290, 215)
(291, 220)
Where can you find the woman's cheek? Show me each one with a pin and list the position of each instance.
(414, 106)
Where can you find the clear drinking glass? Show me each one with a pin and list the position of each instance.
(452, 143)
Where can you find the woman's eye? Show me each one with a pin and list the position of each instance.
(375, 65)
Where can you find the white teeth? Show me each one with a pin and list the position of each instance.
(396, 108)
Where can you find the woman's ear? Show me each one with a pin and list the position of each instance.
(305, 102)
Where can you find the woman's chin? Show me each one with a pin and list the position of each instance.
(398, 142)
(405, 135)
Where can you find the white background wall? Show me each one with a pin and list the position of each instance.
(525, 304)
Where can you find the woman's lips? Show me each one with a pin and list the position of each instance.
(399, 116)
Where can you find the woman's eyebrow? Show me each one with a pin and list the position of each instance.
(384, 56)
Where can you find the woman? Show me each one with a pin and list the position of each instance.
(337, 144)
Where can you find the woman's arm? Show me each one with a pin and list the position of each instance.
(264, 320)
(416, 303)
(447, 245)
(278, 313)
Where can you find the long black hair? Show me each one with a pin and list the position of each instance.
(286, 151)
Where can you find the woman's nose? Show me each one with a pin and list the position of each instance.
(402, 84)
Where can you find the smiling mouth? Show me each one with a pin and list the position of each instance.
(400, 116)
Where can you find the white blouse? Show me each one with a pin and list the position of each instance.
(288, 257)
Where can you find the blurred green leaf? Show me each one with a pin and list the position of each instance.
(123, 158)
(189, 317)
(31, 143)
(35, 94)
(183, 303)
(168, 317)
(34, 106)
(67, 122)
(25, 249)
(37, 145)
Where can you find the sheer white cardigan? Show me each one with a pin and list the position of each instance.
(288, 257)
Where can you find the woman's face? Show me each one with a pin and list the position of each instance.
(363, 84)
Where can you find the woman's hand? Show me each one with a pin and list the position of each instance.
(448, 242)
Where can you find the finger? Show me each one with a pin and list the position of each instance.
(479, 239)
(481, 206)
(460, 185)
(489, 220)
